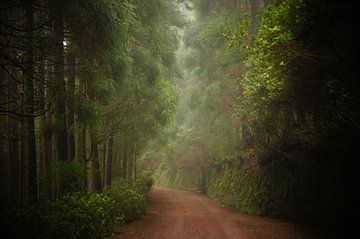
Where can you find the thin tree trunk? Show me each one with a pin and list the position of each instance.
(14, 162)
(41, 138)
(47, 131)
(130, 163)
(71, 104)
(109, 161)
(29, 98)
(135, 160)
(5, 174)
(95, 163)
(117, 161)
(23, 190)
(82, 152)
(60, 99)
(83, 155)
(124, 162)
(103, 165)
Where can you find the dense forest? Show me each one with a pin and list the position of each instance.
(269, 115)
(253, 102)
(84, 85)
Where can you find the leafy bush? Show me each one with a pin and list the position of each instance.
(70, 175)
(143, 183)
(82, 215)
(79, 215)
(129, 196)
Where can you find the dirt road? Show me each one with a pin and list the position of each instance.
(177, 214)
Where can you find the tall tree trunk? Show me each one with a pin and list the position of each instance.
(60, 98)
(41, 138)
(81, 152)
(71, 104)
(29, 99)
(130, 163)
(109, 161)
(4, 172)
(5, 183)
(103, 165)
(23, 190)
(124, 162)
(135, 160)
(48, 153)
(117, 161)
(83, 157)
(14, 162)
(96, 175)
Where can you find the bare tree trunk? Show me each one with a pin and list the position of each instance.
(5, 173)
(117, 161)
(124, 162)
(13, 137)
(103, 165)
(130, 163)
(135, 160)
(71, 104)
(23, 190)
(48, 153)
(41, 138)
(95, 163)
(14, 162)
(60, 99)
(109, 161)
(29, 98)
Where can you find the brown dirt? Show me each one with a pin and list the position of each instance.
(177, 214)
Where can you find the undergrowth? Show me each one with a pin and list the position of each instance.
(80, 214)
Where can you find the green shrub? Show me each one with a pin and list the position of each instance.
(143, 183)
(75, 215)
(128, 199)
(79, 215)
(70, 175)
(82, 215)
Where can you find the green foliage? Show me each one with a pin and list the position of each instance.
(75, 215)
(267, 51)
(80, 214)
(70, 174)
(143, 183)
(255, 120)
(128, 200)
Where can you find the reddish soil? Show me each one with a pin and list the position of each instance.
(177, 214)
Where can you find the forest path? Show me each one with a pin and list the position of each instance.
(177, 214)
